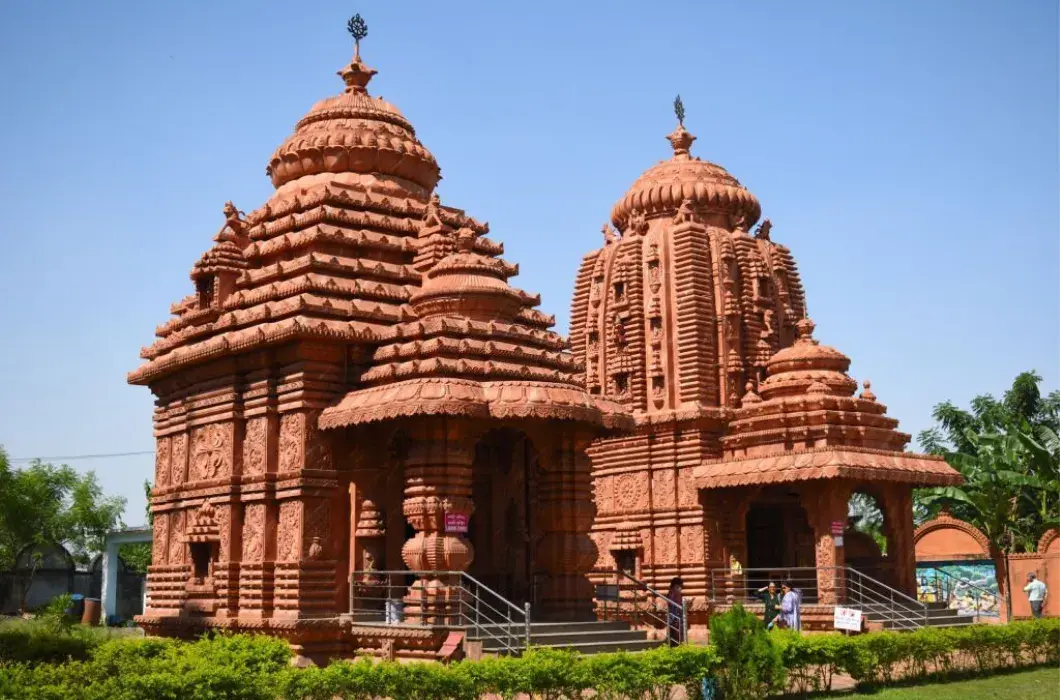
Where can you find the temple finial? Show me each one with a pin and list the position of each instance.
(357, 74)
(358, 29)
(679, 110)
(680, 139)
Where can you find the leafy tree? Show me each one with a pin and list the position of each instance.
(1009, 455)
(43, 504)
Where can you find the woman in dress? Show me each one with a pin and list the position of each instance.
(676, 613)
(770, 597)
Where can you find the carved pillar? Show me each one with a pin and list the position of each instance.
(826, 503)
(260, 510)
(898, 517)
(437, 482)
(306, 581)
(564, 512)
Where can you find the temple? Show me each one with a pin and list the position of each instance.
(355, 387)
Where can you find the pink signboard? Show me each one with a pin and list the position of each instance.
(838, 526)
(455, 522)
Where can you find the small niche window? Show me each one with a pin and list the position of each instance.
(204, 287)
(620, 291)
(626, 561)
(656, 324)
(622, 383)
(658, 383)
(201, 554)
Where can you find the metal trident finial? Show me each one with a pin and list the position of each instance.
(358, 28)
(679, 110)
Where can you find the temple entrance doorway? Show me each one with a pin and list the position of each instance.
(779, 538)
(502, 529)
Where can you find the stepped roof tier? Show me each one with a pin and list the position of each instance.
(806, 424)
(354, 247)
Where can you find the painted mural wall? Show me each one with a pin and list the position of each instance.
(969, 587)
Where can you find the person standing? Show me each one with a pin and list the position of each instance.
(789, 607)
(770, 597)
(1036, 592)
(675, 616)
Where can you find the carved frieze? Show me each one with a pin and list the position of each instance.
(162, 462)
(255, 446)
(292, 441)
(254, 533)
(691, 544)
(687, 494)
(666, 545)
(212, 451)
(159, 541)
(179, 459)
(631, 492)
(662, 489)
(288, 535)
(176, 537)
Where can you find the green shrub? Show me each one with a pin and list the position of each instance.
(750, 663)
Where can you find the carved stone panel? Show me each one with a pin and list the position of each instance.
(647, 537)
(631, 491)
(178, 459)
(288, 535)
(212, 449)
(255, 446)
(687, 493)
(176, 537)
(662, 489)
(691, 544)
(666, 545)
(292, 441)
(223, 517)
(159, 540)
(162, 462)
(254, 533)
(605, 491)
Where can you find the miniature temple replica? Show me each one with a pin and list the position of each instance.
(355, 388)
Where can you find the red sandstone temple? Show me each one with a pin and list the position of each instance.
(355, 387)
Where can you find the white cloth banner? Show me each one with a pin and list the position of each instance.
(848, 619)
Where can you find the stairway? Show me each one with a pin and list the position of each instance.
(583, 637)
(938, 615)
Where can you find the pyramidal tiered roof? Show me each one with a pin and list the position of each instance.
(353, 247)
(806, 423)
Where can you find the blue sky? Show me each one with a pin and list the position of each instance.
(906, 151)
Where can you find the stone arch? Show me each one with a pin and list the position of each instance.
(947, 538)
(1049, 538)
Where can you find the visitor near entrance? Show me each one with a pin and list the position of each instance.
(1036, 592)
(675, 618)
(790, 607)
(770, 597)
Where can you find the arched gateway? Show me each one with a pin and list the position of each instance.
(354, 387)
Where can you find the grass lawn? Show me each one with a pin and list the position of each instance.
(1039, 684)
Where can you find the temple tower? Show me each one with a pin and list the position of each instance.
(673, 316)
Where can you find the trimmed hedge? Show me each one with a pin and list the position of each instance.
(252, 667)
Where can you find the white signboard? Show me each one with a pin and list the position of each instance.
(848, 619)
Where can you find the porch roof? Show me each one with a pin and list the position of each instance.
(466, 397)
(830, 462)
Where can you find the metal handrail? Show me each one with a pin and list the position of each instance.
(495, 618)
(851, 587)
(632, 607)
(958, 581)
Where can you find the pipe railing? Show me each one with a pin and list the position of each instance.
(458, 600)
(847, 586)
(632, 600)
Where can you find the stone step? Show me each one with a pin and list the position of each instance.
(562, 640)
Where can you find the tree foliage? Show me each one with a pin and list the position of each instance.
(1009, 455)
(43, 504)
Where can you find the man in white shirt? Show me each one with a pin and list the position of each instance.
(1036, 594)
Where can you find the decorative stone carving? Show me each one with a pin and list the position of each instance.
(255, 446)
(179, 459)
(662, 489)
(666, 545)
(292, 441)
(213, 446)
(629, 492)
(317, 527)
(691, 544)
(159, 541)
(176, 537)
(254, 533)
(162, 463)
(288, 531)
